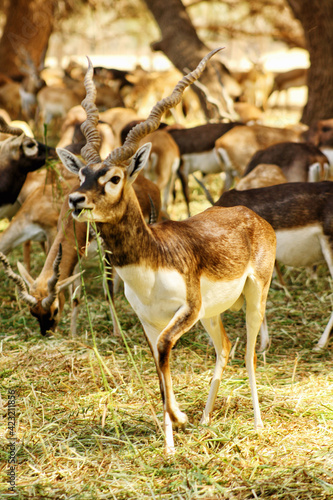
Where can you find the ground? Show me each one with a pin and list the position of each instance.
(88, 411)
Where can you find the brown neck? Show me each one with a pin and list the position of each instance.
(130, 239)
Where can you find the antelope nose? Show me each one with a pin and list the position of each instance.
(76, 199)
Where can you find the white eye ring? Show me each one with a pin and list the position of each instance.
(81, 177)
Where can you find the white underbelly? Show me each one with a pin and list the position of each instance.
(299, 247)
(156, 296)
(219, 296)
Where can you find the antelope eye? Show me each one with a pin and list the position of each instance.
(115, 179)
(55, 312)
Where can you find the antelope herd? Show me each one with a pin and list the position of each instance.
(175, 273)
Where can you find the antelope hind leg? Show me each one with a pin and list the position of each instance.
(222, 345)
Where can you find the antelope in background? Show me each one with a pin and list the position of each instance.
(19, 155)
(301, 213)
(299, 161)
(175, 273)
(286, 80)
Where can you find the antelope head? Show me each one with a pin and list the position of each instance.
(104, 184)
(17, 142)
(44, 298)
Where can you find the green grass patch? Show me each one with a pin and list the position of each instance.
(88, 428)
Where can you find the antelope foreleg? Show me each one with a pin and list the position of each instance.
(183, 320)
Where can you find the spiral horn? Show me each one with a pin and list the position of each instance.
(18, 280)
(52, 283)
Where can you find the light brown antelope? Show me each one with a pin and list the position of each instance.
(55, 101)
(248, 113)
(148, 87)
(76, 141)
(175, 273)
(255, 84)
(117, 118)
(263, 175)
(36, 219)
(10, 99)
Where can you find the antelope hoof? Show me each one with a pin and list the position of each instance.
(258, 426)
(169, 450)
(205, 419)
(179, 420)
(262, 349)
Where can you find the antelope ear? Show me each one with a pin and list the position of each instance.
(25, 275)
(68, 281)
(138, 162)
(71, 162)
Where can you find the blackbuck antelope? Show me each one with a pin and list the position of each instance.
(175, 273)
(299, 161)
(301, 214)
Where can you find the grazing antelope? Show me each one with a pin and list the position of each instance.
(45, 296)
(35, 220)
(175, 273)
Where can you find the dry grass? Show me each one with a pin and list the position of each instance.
(87, 430)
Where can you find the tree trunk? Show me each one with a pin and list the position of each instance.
(26, 35)
(316, 17)
(181, 44)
